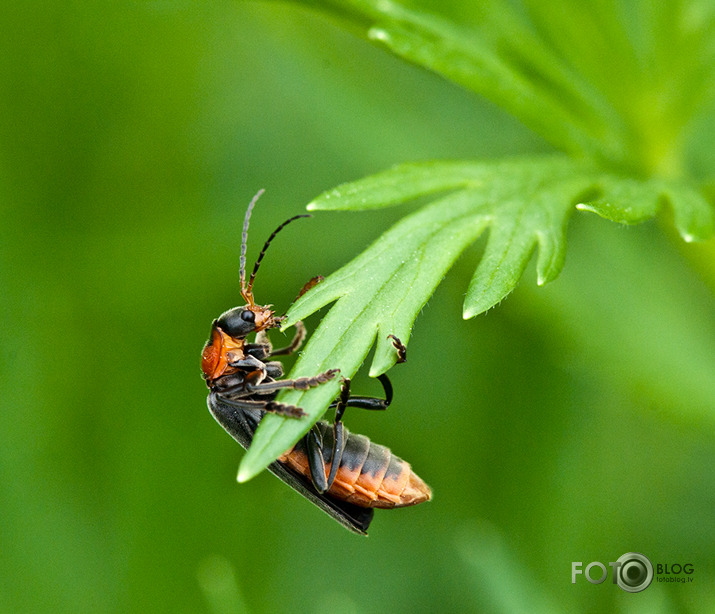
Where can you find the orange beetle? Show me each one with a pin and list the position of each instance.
(343, 473)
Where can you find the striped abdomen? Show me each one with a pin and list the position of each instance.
(370, 475)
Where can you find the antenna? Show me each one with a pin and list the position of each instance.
(244, 245)
(247, 289)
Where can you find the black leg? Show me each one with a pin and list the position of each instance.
(372, 403)
(341, 404)
(274, 369)
(339, 431)
(315, 445)
(314, 441)
(261, 348)
(316, 462)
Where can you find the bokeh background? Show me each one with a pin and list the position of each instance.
(571, 423)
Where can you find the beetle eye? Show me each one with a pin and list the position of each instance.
(237, 322)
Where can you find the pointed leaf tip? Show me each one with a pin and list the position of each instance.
(244, 475)
(468, 314)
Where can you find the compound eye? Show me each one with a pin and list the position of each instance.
(237, 322)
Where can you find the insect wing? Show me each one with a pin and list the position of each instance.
(241, 425)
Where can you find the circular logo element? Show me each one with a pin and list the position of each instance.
(635, 572)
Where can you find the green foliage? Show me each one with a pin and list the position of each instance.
(574, 422)
(619, 84)
(632, 168)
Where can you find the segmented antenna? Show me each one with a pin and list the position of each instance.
(244, 245)
(247, 289)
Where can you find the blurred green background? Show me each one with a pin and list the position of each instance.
(572, 423)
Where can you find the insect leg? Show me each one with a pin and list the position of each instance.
(400, 347)
(314, 445)
(289, 411)
(261, 348)
(341, 404)
(372, 403)
(301, 383)
(297, 341)
(274, 369)
(249, 363)
(309, 284)
(316, 462)
(339, 431)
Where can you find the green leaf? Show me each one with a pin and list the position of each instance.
(525, 203)
(629, 201)
(543, 94)
(619, 86)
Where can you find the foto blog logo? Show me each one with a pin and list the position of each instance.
(633, 572)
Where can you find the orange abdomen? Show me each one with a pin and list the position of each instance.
(370, 475)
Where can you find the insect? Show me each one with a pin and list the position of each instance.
(344, 474)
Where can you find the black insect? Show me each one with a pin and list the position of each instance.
(344, 474)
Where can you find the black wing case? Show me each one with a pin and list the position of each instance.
(241, 425)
